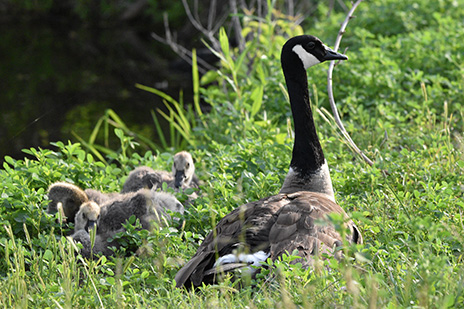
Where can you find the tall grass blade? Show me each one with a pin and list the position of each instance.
(196, 84)
(94, 134)
(159, 131)
(117, 120)
(177, 127)
(157, 92)
(89, 146)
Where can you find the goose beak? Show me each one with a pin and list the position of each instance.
(333, 55)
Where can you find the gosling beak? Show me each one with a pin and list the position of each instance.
(90, 225)
(333, 55)
(179, 178)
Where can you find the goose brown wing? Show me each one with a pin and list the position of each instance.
(303, 225)
(247, 227)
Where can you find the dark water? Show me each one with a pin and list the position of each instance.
(56, 79)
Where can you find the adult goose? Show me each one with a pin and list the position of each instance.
(289, 220)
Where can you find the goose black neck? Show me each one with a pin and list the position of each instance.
(307, 156)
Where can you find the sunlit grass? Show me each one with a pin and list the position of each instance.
(404, 109)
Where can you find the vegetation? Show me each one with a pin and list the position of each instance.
(401, 98)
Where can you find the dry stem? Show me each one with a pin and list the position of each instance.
(330, 91)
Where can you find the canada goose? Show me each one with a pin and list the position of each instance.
(101, 245)
(183, 175)
(284, 222)
(66, 198)
(166, 201)
(183, 171)
(143, 204)
(136, 179)
(87, 216)
(146, 205)
(99, 197)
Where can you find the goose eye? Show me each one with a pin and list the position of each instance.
(310, 45)
(187, 165)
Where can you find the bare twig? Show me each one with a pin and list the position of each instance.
(290, 8)
(330, 91)
(183, 52)
(236, 25)
(195, 20)
(342, 4)
(212, 14)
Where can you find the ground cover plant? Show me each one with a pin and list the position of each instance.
(401, 98)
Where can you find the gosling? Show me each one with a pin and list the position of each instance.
(146, 205)
(65, 198)
(182, 176)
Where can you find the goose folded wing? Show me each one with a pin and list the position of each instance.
(303, 225)
(246, 228)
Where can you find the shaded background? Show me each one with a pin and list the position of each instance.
(64, 62)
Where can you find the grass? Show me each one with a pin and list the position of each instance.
(401, 98)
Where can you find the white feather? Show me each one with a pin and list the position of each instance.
(255, 259)
(308, 59)
(320, 181)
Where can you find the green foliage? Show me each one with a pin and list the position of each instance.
(400, 95)
(110, 118)
(180, 120)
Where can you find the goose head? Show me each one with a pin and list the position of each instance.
(307, 51)
(183, 169)
(87, 216)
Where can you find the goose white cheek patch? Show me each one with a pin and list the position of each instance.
(308, 59)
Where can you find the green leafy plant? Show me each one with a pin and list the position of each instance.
(400, 97)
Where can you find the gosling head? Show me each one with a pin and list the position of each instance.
(167, 201)
(183, 169)
(66, 199)
(87, 216)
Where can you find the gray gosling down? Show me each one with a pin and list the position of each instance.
(146, 205)
(101, 244)
(65, 198)
(182, 176)
(100, 197)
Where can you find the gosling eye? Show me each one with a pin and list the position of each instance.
(310, 45)
(187, 166)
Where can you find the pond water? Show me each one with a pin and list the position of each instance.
(56, 79)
